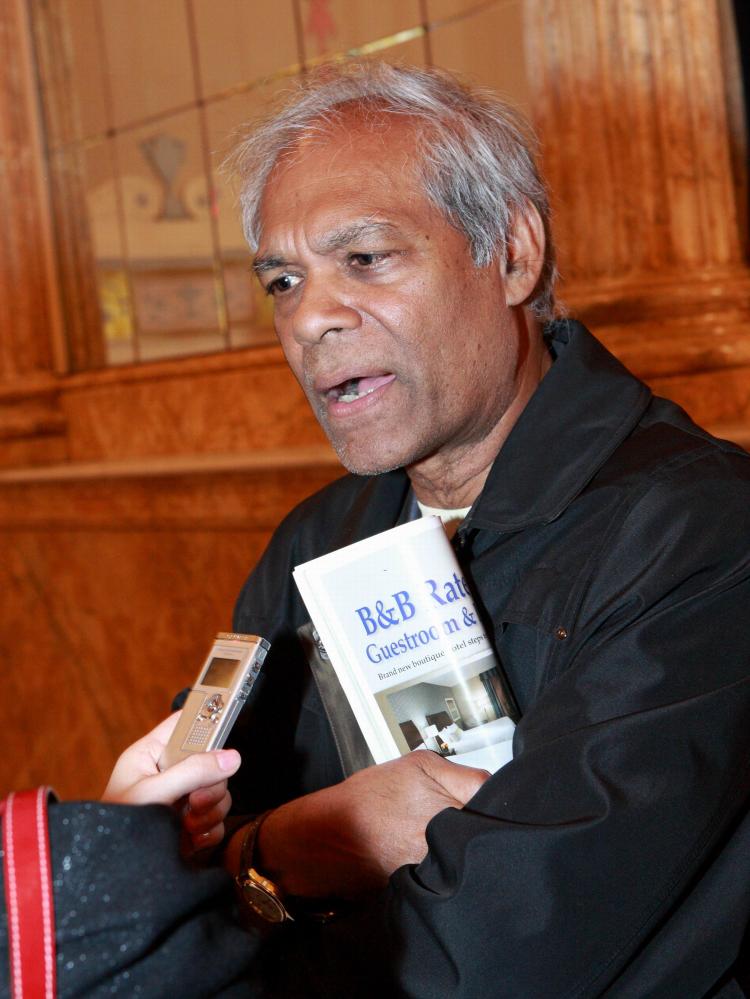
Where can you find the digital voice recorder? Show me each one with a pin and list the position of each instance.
(223, 685)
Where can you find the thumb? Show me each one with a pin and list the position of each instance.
(459, 781)
(195, 771)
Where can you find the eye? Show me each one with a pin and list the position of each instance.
(283, 283)
(365, 260)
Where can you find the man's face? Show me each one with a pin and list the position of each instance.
(405, 349)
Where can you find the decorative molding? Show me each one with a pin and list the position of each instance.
(664, 325)
(179, 367)
(213, 411)
(29, 344)
(33, 428)
(34, 417)
(66, 176)
(667, 291)
(171, 466)
(147, 499)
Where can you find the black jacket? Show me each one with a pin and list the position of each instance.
(608, 553)
(131, 919)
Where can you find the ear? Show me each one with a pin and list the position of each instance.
(525, 255)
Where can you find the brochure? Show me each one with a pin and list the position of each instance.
(400, 628)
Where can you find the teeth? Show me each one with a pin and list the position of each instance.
(351, 390)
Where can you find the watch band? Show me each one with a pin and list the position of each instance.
(263, 899)
(247, 852)
(259, 894)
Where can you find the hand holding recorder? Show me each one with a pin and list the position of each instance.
(137, 780)
(182, 758)
(213, 704)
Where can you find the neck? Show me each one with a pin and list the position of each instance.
(454, 477)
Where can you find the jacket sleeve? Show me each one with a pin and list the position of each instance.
(283, 716)
(130, 917)
(612, 856)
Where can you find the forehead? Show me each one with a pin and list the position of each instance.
(349, 167)
(383, 140)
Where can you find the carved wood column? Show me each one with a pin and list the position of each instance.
(30, 345)
(632, 99)
(75, 254)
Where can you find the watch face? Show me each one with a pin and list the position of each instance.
(263, 902)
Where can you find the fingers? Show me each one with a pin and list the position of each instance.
(203, 821)
(193, 845)
(138, 761)
(199, 770)
(163, 730)
(206, 808)
(154, 741)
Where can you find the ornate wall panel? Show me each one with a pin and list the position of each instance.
(134, 500)
(636, 103)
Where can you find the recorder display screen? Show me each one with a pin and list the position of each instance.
(219, 672)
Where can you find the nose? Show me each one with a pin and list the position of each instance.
(320, 310)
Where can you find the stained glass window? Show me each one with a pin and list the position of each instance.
(140, 101)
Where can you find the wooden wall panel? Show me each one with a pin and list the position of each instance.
(31, 347)
(82, 605)
(112, 591)
(133, 501)
(631, 99)
(224, 403)
(636, 104)
(25, 235)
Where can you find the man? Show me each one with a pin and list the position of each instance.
(402, 230)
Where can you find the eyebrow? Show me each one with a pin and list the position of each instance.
(337, 239)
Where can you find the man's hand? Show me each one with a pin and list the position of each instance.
(348, 839)
(197, 785)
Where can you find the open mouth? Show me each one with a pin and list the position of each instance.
(356, 388)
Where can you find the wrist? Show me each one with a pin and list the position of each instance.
(266, 858)
(262, 852)
(270, 895)
(262, 898)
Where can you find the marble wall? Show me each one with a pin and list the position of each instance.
(113, 588)
(134, 500)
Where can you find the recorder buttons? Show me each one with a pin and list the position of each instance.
(211, 709)
(202, 729)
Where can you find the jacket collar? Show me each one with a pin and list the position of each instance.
(584, 407)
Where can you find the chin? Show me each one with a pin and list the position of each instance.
(359, 466)
(364, 459)
(364, 462)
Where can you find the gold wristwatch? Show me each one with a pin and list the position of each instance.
(259, 893)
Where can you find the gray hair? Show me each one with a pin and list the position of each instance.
(477, 152)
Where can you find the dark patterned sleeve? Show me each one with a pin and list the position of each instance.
(131, 918)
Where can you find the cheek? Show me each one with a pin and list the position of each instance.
(393, 313)
(422, 318)
(292, 350)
